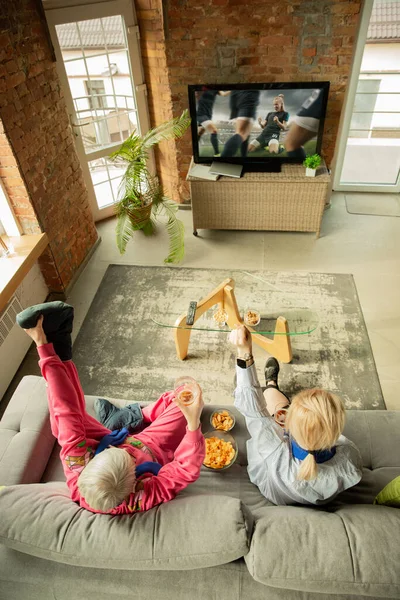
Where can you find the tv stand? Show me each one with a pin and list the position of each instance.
(285, 201)
(267, 166)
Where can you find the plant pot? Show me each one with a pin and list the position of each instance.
(140, 216)
(310, 172)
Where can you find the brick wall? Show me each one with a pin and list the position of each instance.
(38, 163)
(233, 41)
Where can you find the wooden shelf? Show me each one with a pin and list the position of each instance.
(13, 268)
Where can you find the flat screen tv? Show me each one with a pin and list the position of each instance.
(259, 125)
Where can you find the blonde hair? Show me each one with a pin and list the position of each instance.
(107, 479)
(315, 419)
(281, 98)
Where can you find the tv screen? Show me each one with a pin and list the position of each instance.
(257, 122)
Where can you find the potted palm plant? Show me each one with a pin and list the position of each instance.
(312, 163)
(141, 199)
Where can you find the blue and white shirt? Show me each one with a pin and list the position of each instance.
(271, 464)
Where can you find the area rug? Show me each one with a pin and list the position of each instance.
(121, 353)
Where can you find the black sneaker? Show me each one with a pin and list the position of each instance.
(271, 370)
(57, 324)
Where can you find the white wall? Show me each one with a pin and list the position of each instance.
(32, 290)
(381, 57)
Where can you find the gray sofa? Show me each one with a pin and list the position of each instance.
(219, 539)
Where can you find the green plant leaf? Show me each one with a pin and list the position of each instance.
(149, 228)
(312, 162)
(167, 131)
(176, 231)
(125, 230)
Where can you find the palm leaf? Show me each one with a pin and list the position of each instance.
(131, 149)
(175, 229)
(124, 231)
(167, 131)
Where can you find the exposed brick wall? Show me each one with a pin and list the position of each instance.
(38, 162)
(159, 96)
(234, 41)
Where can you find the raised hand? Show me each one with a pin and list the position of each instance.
(241, 338)
(192, 412)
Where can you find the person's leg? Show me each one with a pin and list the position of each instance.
(244, 147)
(94, 429)
(167, 424)
(274, 398)
(273, 146)
(243, 129)
(113, 417)
(253, 146)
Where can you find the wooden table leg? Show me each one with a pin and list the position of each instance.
(279, 346)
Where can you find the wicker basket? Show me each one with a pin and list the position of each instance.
(140, 216)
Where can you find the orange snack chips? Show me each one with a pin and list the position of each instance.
(219, 454)
(222, 420)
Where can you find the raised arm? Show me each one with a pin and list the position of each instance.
(249, 399)
(176, 475)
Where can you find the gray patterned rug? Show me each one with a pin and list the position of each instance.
(121, 353)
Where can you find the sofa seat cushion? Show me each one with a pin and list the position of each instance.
(186, 533)
(347, 551)
(26, 440)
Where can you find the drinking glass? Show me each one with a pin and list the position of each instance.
(187, 390)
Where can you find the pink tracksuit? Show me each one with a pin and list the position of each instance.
(166, 440)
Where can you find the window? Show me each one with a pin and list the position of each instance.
(96, 90)
(8, 222)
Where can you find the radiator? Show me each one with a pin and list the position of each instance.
(14, 343)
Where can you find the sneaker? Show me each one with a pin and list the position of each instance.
(217, 155)
(57, 324)
(271, 370)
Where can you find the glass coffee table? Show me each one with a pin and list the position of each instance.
(236, 300)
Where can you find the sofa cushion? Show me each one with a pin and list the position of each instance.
(186, 533)
(26, 441)
(348, 551)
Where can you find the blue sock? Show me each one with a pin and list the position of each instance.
(232, 146)
(243, 148)
(214, 142)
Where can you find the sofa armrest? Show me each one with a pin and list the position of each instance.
(26, 441)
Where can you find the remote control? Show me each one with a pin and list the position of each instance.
(190, 313)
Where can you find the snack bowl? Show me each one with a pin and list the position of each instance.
(225, 437)
(228, 415)
(220, 317)
(251, 317)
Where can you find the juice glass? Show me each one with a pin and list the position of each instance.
(187, 390)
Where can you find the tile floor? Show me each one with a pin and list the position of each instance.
(366, 246)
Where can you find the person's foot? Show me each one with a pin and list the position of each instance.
(113, 417)
(217, 155)
(58, 318)
(271, 371)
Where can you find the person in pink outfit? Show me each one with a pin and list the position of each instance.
(106, 481)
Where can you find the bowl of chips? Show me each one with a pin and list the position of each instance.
(221, 450)
(252, 317)
(223, 420)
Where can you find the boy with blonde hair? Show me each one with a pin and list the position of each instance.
(136, 472)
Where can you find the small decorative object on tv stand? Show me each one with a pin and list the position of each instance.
(312, 163)
(286, 201)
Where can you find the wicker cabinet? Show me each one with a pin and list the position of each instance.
(286, 201)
